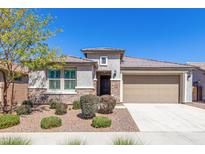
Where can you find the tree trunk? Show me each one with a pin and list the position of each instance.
(5, 102)
(12, 97)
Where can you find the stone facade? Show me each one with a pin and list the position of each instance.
(37, 95)
(115, 89)
(95, 86)
(40, 96)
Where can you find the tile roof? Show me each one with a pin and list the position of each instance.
(201, 65)
(102, 49)
(73, 59)
(132, 62)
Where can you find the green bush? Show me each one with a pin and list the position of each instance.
(51, 122)
(8, 120)
(107, 104)
(61, 108)
(124, 141)
(14, 141)
(53, 103)
(76, 105)
(23, 110)
(74, 142)
(99, 122)
(89, 105)
(27, 102)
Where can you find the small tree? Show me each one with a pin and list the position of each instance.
(23, 36)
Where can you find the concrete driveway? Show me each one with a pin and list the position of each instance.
(167, 117)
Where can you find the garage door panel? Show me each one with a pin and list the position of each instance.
(151, 89)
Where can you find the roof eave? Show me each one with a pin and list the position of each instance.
(86, 51)
(80, 63)
(156, 68)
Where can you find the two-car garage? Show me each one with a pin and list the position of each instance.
(151, 88)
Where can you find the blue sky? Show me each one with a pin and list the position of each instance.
(176, 35)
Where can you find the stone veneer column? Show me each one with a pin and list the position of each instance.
(115, 89)
(95, 86)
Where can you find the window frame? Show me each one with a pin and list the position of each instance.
(106, 57)
(54, 79)
(69, 79)
(62, 80)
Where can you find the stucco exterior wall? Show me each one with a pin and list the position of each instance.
(38, 79)
(40, 94)
(186, 87)
(85, 76)
(200, 75)
(189, 88)
(113, 62)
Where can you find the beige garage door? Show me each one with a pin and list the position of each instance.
(151, 88)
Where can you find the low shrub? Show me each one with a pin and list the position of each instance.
(74, 142)
(107, 104)
(14, 141)
(89, 105)
(27, 102)
(76, 105)
(51, 122)
(53, 102)
(8, 120)
(99, 122)
(23, 110)
(61, 108)
(124, 141)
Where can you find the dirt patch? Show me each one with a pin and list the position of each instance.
(73, 122)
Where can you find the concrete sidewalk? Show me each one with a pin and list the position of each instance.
(106, 138)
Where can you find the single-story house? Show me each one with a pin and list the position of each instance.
(198, 81)
(110, 71)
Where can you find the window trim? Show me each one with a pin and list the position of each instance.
(106, 57)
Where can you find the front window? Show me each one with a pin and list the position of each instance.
(103, 60)
(69, 79)
(54, 79)
(62, 79)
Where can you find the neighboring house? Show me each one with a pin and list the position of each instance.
(109, 71)
(199, 80)
(20, 87)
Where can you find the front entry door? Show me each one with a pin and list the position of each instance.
(104, 85)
